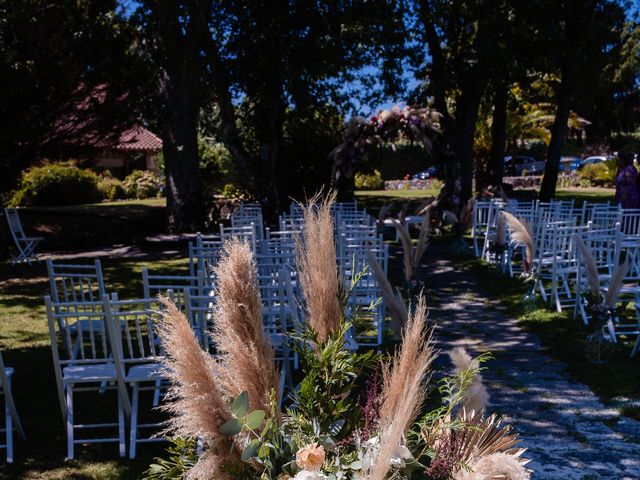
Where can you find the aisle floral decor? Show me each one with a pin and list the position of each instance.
(601, 307)
(354, 415)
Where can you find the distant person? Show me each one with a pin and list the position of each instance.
(626, 182)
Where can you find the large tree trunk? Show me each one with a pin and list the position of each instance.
(182, 169)
(558, 134)
(465, 129)
(498, 133)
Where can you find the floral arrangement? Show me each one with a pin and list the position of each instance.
(600, 306)
(388, 126)
(353, 416)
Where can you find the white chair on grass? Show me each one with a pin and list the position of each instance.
(84, 364)
(11, 419)
(26, 245)
(137, 357)
(76, 282)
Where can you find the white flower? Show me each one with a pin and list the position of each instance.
(309, 475)
(399, 456)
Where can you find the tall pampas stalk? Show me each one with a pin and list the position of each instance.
(196, 402)
(591, 270)
(245, 352)
(501, 233)
(382, 214)
(475, 397)
(316, 259)
(423, 237)
(404, 389)
(407, 248)
(392, 299)
(617, 281)
(521, 235)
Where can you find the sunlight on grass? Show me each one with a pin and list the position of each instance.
(408, 194)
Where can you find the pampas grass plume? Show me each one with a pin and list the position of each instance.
(316, 259)
(404, 388)
(521, 235)
(393, 301)
(591, 270)
(475, 396)
(246, 354)
(497, 465)
(617, 280)
(197, 404)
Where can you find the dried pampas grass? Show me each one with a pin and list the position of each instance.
(404, 388)
(382, 214)
(482, 437)
(591, 270)
(392, 299)
(197, 404)
(423, 237)
(407, 248)
(495, 466)
(246, 354)
(475, 397)
(316, 259)
(521, 235)
(617, 281)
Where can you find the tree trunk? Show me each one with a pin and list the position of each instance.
(498, 133)
(558, 134)
(466, 118)
(182, 170)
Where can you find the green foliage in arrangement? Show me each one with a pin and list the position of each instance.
(369, 181)
(143, 184)
(56, 184)
(182, 457)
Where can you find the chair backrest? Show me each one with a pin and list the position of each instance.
(204, 255)
(78, 332)
(76, 282)
(249, 232)
(630, 221)
(172, 286)
(15, 225)
(132, 334)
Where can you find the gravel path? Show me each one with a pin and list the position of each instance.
(569, 433)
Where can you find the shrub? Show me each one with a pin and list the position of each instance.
(110, 188)
(369, 181)
(598, 174)
(56, 184)
(142, 184)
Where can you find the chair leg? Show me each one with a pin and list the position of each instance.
(122, 445)
(69, 415)
(8, 425)
(133, 433)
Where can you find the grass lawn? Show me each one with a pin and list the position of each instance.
(564, 339)
(25, 343)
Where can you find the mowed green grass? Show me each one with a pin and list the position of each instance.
(25, 343)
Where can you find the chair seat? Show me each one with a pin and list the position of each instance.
(146, 372)
(89, 373)
(32, 239)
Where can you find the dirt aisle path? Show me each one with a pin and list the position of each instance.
(570, 434)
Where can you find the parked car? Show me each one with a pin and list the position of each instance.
(516, 165)
(596, 159)
(431, 172)
(570, 164)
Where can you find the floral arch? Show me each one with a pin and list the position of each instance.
(388, 126)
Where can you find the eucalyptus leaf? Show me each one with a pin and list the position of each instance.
(254, 419)
(250, 451)
(230, 428)
(240, 405)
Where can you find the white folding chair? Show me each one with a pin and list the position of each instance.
(76, 282)
(89, 368)
(137, 357)
(26, 245)
(11, 419)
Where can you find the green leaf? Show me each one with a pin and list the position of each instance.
(250, 451)
(230, 428)
(240, 405)
(254, 419)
